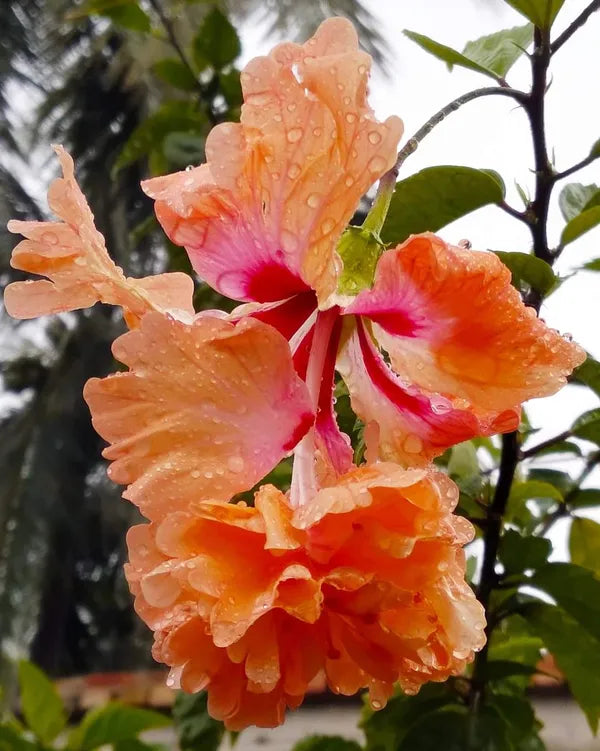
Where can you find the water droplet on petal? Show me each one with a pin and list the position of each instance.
(235, 463)
(293, 171)
(349, 181)
(377, 164)
(412, 444)
(189, 168)
(327, 226)
(350, 117)
(50, 238)
(313, 200)
(294, 135)
(374, 137)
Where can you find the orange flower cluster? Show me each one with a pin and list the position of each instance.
(357, 572)
(366, 583)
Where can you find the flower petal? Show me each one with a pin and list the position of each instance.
(73, 256)
(401, 423)
(453, 324)
(261, 219)
(188, 419)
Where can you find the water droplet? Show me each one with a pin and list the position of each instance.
(277, 118)
(189, 168)
(413, 444)
(195, 474)
(374, 137)
(313, 200)
(327, 226)
(376, 704)
(439, 405)
(294, 135)
(208, 475)
(81, 261)
(291, 107)
(350, 117)
(50, 238)
(377, 164)
(362, 69)
(349, 181)
(235, 463)
(317, 132)
(293, 171)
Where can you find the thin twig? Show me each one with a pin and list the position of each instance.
(522, 216)
(577, 23)
(528, 453)
(576, 167)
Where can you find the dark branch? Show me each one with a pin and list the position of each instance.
(577, 23)
(522, 216)
(528, 453)
(576, 167)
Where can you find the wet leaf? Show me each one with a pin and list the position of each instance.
(584, 543)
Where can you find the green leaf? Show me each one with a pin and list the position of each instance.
(536, 273)
(196, 729)
(517, 713)
(231, 88)
(172, 116)
(519, 553)
(130, 16)
(587, 426)
(497, 670)
(326, 743)
(447, 54)
(560, 447)
(584, 543)
(576, 653)
(581, 224)
(540, 12)
(588, 374)
(436, 196)
(523, 491)
(11, 740)
(592, 265)
(575, 589)
(585, 498)
(573, 199)
(41, 705)
(359, 249)
(595, 150)
(175, 73)
(135, 744)
(498, 52)
(463, 460)
(560, 480)
(216, 43)
(114, 722)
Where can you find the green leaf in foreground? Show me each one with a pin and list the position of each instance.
(41, 705)
(573, 199)
(175, 73)
(576, 653)
(112, 723)
(436, 196)
(584, 543)
(581, 224)
(360, 250)
(587, 426)
(498, 52)
(196, 729)
(588, 374)
(447, 54)
(540, 12)
(534, 272)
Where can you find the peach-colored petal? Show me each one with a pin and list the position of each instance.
(72, 255)
(401, 422)
(262, 218)
(188, 420)
(453, 324)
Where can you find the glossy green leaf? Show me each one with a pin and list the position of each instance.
(540, 12)
(517, 713)
(130, 16)
(584, 543)
(326, 743)
(581, 224)
(560, 480)
(497, 670)
(172, 116)
(585, 498)
(359, 249)
(436, 196)
(574, 198)
(576, 653)
(518, 553)
(587, 426)
(498, 52)
(592, 265)
(575, 589)
(560, 447)
(175, 73)
(216, 43)
(42, 707)
(196, 729)
(12, 740)
(231, 87)
(114, 722)
(526, 268)
(588, 374)
(463, 460)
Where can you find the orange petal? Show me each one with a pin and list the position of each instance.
(188, 419)
(73, 256)
(453, 324)
(262, 218)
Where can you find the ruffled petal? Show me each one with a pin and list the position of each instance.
(72, 255)
(262, 218)
(402, 423)
(453, 324)
(188, 419)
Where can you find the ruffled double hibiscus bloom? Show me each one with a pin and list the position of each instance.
(357, 572)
